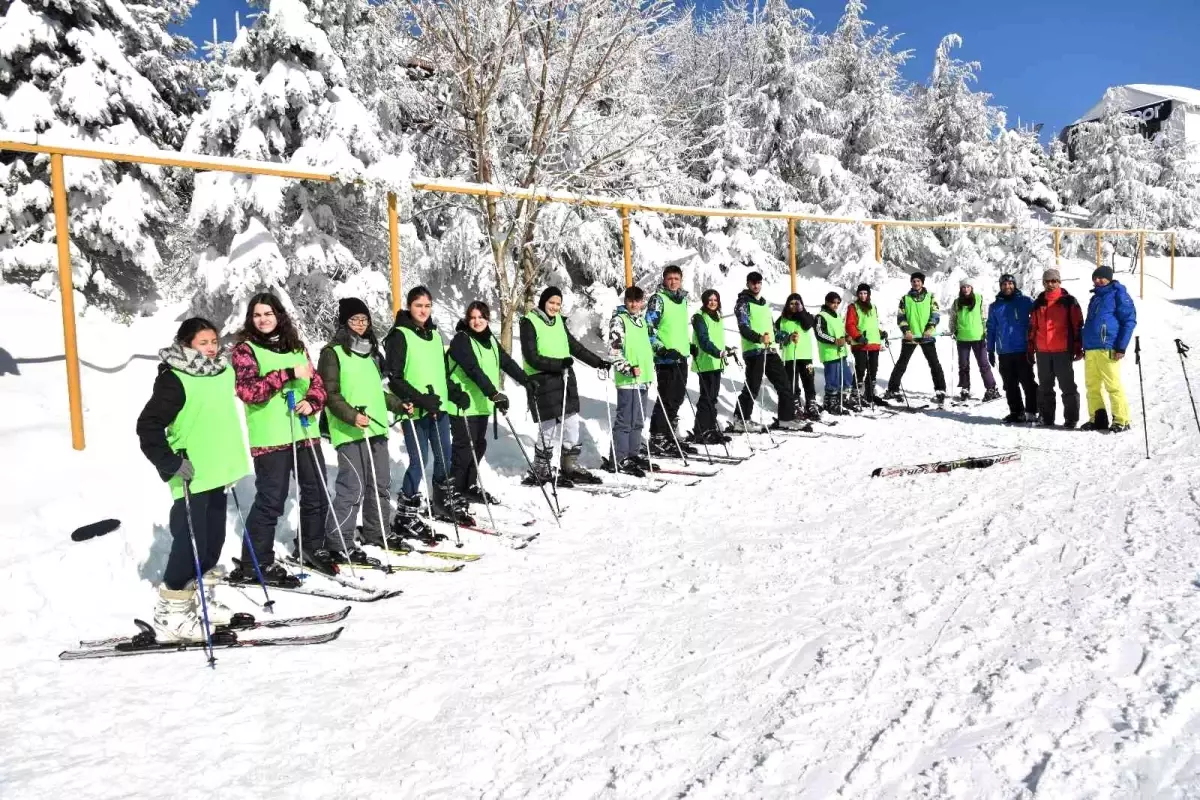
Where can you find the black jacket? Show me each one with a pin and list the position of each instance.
(546, 386)
(396, 354)
(165, 403)
(467, 365)
(330, 370)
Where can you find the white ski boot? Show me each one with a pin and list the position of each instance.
(175, 617)
(218, 612)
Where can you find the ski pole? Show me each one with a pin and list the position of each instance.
(1137, 357)
(537, 420)
(674, 436)
(268, 603)
(899, 383)
(612, 439)
(761, 411)
(1182, 349)
(692, 406)
(291, 404)
(337, 525)
(365, 448)
(554, 511)
(487, 503)
(642, 424)
(737, 404)
(556, 467)
(187, 505)
(412, 426)
(441, 454)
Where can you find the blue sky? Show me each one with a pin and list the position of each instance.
(1044, 60)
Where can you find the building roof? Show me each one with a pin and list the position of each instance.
(1136, 95)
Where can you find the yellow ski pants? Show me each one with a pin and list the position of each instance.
(1100, 369)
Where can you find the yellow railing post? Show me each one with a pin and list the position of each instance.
(1099, 250)
(626, 246)
(1057, 238)
(1142, 265)
(66, 286)
(791, 223)
(1172, 260)
(878, 242)
(394, 250)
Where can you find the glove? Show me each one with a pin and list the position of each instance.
(693, 351)
(185, 470)
(992, 357)
(883, 335)
(565, 363)
(675, 355)
(606, 364)
(862, 339)
(501, 401)
(429, 403)
(457, 396)
(730, 352)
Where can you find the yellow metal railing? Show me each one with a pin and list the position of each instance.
(57, 148)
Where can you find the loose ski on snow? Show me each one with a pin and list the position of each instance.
(972, 462)
(222, 640)
(240, 623)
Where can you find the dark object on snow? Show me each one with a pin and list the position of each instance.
(971, 462)
(95, 529)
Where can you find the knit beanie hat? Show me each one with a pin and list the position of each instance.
(1103, 272)
(863, 287)
(917, 276)
(1008, 278)
(965, 284)
(547, 293)
(349, 307)
(1051, 275)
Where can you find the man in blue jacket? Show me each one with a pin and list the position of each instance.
(1111, 318)
(1007, 329)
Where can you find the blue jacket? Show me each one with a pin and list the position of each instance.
(1110, 320)
(1008, 323)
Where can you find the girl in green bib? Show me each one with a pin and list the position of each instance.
(968, 326)
(270, 361)
(793, 332)
(356, 414)
(708, 360)
(191, 431)
(475, 360)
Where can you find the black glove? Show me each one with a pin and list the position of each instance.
(606, 365)
(992, 357)
(883, 336)
(565, 363)
(429, 403)
(185, 470)
(674, 355)
(501, 401)
(862, 339)
(730, 352)
(693, 351)
(457, 396)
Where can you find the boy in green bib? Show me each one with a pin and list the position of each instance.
(918, 318)
(841, 395)
(632, 355)
(356, 416)
(191, 431)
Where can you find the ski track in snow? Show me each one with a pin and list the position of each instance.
(789, 628)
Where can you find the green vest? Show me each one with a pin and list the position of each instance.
(837, 329)
(672, 330)
(638, 353)
(488, 359)
(799, 350)
(868, 323)
(551, 339)
(424, 365)
(969, 322)
(760, 323)
(268, 423)
(918, 313)
(361, 385)
(706, 362)
(209, 429)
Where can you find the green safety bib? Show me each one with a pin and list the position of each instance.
(918, 313)
(488, 359)
(361, 385)
(837, 329)
(801, 349)
(209, 428)
(638, 353)
(760, 323)
(552, 339)
(425, 365)
(868, 323)
(271, 424)
(706, 362)
(969, 322)
(672, 330)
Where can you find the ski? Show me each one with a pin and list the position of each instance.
(358, 593)
(714, 458)
(224, 640)
(611, 491)
(687, 470)
(973, 462)
(467, 557)
(244, 622)
(453, 567)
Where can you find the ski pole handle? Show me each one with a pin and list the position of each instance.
(291, 403)
(1137, 349)
(1180, 347)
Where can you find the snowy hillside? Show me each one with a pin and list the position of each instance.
(789, 628)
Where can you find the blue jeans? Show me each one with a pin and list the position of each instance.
(631, 416)
(838, 375)
(427, 427)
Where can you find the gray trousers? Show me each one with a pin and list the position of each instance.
(548, 433)
(632, 402)
(1059, 367)
(353, 476)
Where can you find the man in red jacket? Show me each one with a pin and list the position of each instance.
(1055, 337)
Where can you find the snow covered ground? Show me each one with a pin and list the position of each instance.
(791, 628)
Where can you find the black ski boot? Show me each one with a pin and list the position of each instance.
(273, 575)
(661, 446)
(448, 507)
(356, 557)
(850, 401)
(991, 394)
(812, 411)
(320, 560)
(476, 494)
(572, 471)
(1097, 423)
(542, 473)
(964, 395)
(833, 403)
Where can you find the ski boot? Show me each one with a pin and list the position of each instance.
(175, 616)
(476, 494)
(939, 398)
(1097, 423)
(792, 425)
(1118, 427)
(1014, 419)
(320, 560)
(812, 411)
(448, 507)
(355, 557)
(833, 404)
(991, 394)
(218, 612)
(850, 401)
(273, 575)
(642, 463)
(739, 425)
(411, 526)
(1032, 416)
(893, 394)
(661, 446)
(572, 471)
(541, 472)
(964, 395)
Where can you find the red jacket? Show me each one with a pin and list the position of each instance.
(1055, 324)
(852, 330)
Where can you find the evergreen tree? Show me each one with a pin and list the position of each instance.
(1116, 173)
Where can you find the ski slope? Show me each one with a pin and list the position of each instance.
(790, 628)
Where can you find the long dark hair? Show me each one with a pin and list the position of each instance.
(704, 300)
(481, 307)
(191, 327)
(289, 338)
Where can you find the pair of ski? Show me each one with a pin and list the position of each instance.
(936, 467)
(223, 637)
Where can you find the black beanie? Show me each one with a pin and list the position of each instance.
(1103, 272)
(863, 287)
(1007, 278)
(917, 276)
(831, 296)
(550, 291)
(349, 307)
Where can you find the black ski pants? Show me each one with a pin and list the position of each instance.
(1016, 373)
(800, 374)
(866, 368)
(272, 474)
(929, 350)
(672, 383)
(706, 405)
(771, 367)
(208, 522)
(465, 431)
(1059, 367)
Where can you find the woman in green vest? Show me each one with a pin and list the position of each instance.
(793, 328)
(632, 355)
(270, 361)
(356, 414)
(969, 329)
(191, 431)
(416, 367)
(866, 340)
(710, 352)
(475, 360)
(841, 396)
